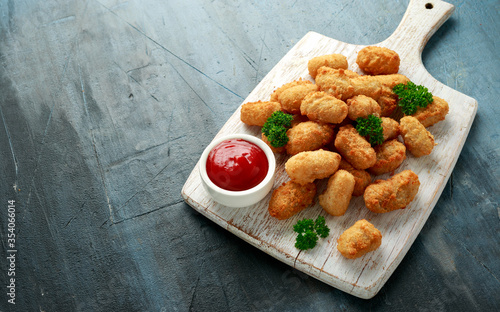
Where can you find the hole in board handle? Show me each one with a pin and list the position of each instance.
(428, 5)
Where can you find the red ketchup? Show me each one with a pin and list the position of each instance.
(237, 165)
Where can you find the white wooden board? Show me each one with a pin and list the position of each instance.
(362, 277)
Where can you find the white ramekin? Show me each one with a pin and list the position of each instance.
(237, 199)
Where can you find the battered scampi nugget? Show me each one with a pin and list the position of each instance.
(355, 148)
(418, 140)
(390, 155)
(290, 198)
(276, 93)
(321, 106)
(337, 196)
(336, 61)
(395, 193)
(257, 113)
(433, 113)
(359, 239)
(305, 167)
(390, 128)
(378, 60)
(308, 136)
(391, 80)
(373, 87)
(362, 106)
(361, 177)
(387, 98)
(336, 82)
(291, 98)
(344, 84)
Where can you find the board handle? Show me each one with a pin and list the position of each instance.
(420, 21)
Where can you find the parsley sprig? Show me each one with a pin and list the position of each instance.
(276, 127)
(412, 96)
(371, 128)
(308, 232)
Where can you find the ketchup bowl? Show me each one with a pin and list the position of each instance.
(237, 170)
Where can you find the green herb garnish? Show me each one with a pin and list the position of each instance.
(411, 97)
(276, 127)
(308, 232)
(371, 128)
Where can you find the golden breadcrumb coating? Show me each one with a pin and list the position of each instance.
(390, 155)
(336, 82)
(308, 136)
(359, 239)
(321, 106)
(418, 140)
(290, 198)
(390, 128)
(433, 113)
(276, 93)
(344, 84)
(291, 98)
(362, 106)
(378, 60)
(361, 177)
(355, 148)
(391, 80)
(336, 61)
(305, 167)
(337, 196)
(395, 193)
(257, 113)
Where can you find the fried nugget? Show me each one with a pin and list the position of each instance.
(368, 86)
(388, 103)
(395, 193)
(359, 239)
(336, 82)
(374, 87)
(361, 177)
(337, 196)
(336, 61)
(378, 60)
(362, 106)
(390, 128)
(276, 93)
(344, 84)
(391, 80)
(257, 113)
(291, 98)
(290, 198)
(390, 155)
(433, 113)
(388, 99)
(321, 106)
(418, 140)
(305, 167)
(308, 136)
(355, 148)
